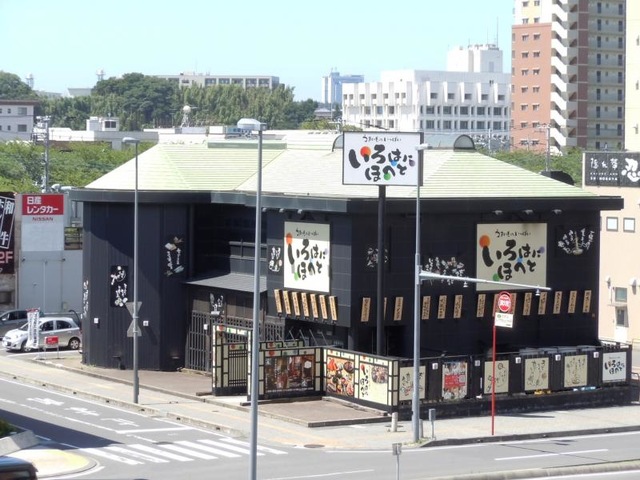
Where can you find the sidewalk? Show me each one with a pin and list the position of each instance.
(184, 396)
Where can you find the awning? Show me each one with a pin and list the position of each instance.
(230, 281)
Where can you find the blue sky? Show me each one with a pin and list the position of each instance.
(63, 43)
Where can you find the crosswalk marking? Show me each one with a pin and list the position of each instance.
(178, 451)
(110, 456)
(188, 451)
(259, 447)
(162, 453)
(134, 454)
(215, 451)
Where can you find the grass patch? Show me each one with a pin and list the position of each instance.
(5, 428)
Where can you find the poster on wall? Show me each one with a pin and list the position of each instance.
(512, 252)
(614, 367)
(454, 380)
(380, 158)
(373, 381)
(119, 286)
(407, 384)
(575, 371)
(536, 373)
(340, 373)
(7, 214)
(502, 376)
(307, 256)
(289, 373)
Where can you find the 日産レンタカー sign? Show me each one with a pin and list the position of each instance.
(380, 158)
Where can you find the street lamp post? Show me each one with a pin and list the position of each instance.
(255, 125)
(134, 313)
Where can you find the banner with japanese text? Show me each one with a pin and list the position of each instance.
(511, 252)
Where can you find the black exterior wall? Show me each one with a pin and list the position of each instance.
(108, 243)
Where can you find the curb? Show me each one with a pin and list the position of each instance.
(17, 441)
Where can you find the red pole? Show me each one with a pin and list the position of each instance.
(493, 381)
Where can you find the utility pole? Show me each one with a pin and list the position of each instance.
(43, 125)
(546, 165)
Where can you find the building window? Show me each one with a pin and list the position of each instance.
(467, 96)
(22, 128)
(379, 110)
(536, 54)
(598, 59)
(446, 110)
(524, 89)
(612, 224)
(464, 125)
(536, 71)
(430, 125)
(480, 110)
(525, 38)
(22, 110)
(536, 36)
(451, 96)
(536, 19)
(598, 111)
(620, 77)
(501, 98)
(374, 96)
(367, 110)
(464, 110)
(431, 110)
(524, 107)
(535, 107)
(525, 54)
(446, 125)
(484, 96)
(433, 96)
(524, 124)
(621, 316)
(525, 72)
(392, 110)
(480, 125)
(629, 225)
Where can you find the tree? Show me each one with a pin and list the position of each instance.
(12, 88)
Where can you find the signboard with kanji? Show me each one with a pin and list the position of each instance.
(42, 222)
(381, 158)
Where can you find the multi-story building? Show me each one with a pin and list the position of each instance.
(16, 119)
(472, 97)
(188, 79)
(331, 93)
(617, 173)
(568, 74)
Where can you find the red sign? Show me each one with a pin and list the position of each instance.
(51, 341)
(504, 302)
(43, 204)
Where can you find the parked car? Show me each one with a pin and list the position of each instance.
(12, 319)
(65, 328)
(12, 468)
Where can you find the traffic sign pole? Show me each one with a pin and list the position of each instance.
(504, 305)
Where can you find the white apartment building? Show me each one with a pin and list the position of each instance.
(16, 119)
(471, 97)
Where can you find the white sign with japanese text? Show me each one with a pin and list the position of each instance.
(42, 222)
(380, 158)
(511, 252)
(307, 256)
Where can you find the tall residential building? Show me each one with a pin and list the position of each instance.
(632, 76)
(568, 74)
(472, 97)
(331, 93)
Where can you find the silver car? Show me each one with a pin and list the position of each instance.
(64, 329)
(12, 319)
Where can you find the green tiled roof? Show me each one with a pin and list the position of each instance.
(308, 167)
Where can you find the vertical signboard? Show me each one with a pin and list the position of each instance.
(512, 252)
(43, 222)
(307, 253)
(374, 158)
(7, 214)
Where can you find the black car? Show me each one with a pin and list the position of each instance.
(12, 468)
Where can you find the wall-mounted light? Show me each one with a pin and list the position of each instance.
(633, 282)
(497, 213)
(537, 292)
(528, 211)
(607, 280)
(300, 211)
(281, 210)
(556, 211)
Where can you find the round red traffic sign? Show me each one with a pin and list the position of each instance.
(504, 302)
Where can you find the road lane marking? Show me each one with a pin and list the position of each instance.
(188, 451)
(148, 430)
(133, 454)
(552, 454)
(340, 474)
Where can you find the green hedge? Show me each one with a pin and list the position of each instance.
(5, 428)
